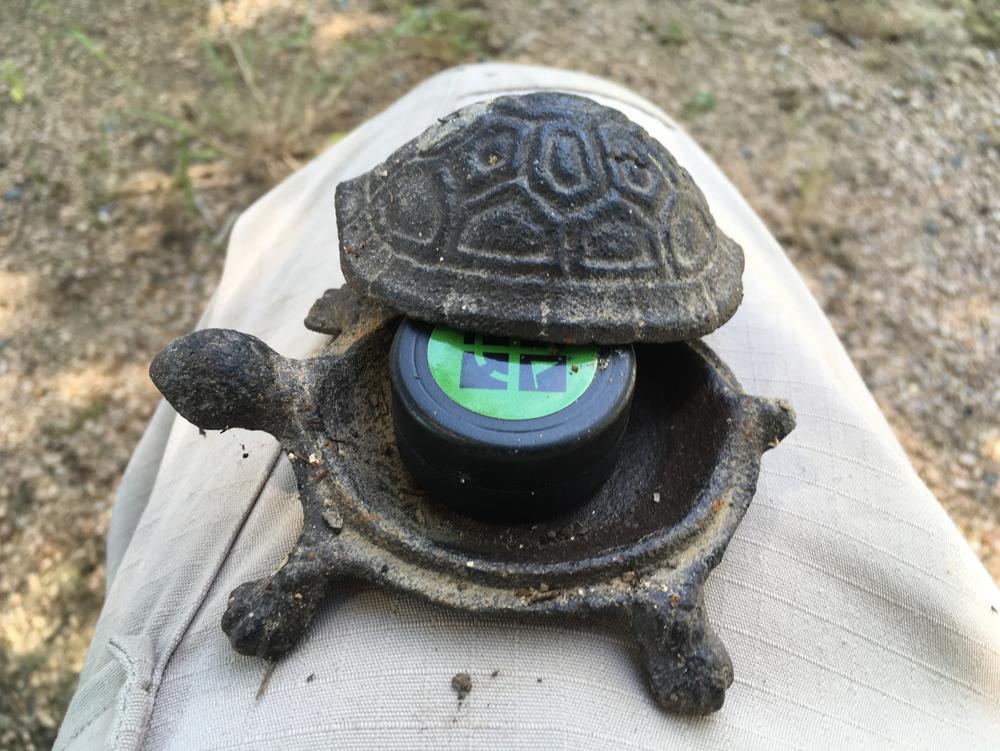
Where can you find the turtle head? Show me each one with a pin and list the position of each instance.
(219, 378)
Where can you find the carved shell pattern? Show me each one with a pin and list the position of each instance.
(503, 187)
(545, 216)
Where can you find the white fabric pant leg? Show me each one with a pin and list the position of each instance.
(855, 614)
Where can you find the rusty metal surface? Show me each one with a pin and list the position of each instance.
(642, 547)
(542, 216)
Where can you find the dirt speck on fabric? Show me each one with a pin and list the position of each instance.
(462, 685)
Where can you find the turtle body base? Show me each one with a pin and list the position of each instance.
(642, 546)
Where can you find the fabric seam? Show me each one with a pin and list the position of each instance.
(132, 680)
(160, 669)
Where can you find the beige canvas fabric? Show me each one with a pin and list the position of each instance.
(856, 615)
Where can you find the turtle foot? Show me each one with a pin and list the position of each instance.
(686, 663)
(267, 617)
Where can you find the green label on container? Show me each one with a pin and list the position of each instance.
(506, 378)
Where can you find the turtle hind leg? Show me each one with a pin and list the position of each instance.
(267, 617)
(686, 664)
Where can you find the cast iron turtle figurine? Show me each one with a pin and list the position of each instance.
(543, 216)
(434, 233)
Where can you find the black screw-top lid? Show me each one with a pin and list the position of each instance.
(504, 429)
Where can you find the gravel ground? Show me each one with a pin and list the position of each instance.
(866, 134)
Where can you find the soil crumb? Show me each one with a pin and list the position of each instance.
(462, 683)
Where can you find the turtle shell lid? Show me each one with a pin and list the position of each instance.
(544, 216)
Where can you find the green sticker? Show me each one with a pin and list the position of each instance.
(506, 378)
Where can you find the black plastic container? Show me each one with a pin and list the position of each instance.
(507, 430)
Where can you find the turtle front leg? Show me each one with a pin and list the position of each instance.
(267, 617)
(686, 663)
